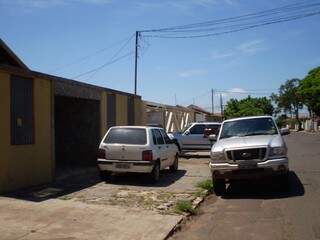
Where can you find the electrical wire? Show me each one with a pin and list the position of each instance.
(244, 22)
(112, 60)
(105, 64)
(84, 58)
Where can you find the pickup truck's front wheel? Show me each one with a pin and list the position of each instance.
(219, 186)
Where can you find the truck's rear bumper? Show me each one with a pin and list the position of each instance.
(234, 171)
(125, 166)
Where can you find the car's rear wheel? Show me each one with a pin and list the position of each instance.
(155, 174)
(175, 165)
(105, 175)
(219, 186)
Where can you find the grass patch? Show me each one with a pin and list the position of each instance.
(184, 206)
(200, 193)
(206, 184)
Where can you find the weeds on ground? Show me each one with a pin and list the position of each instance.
(200, 193)
(206, 184)
(184, 206)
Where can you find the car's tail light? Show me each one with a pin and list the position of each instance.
(101, 153)
(147, 155)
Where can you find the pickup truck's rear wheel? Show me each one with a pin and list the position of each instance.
(219, 186)
(155, 174)
(175, 165)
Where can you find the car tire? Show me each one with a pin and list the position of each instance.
(105, 175)
(175, 165)
(219, 186)
(155, 174)
(178, 146)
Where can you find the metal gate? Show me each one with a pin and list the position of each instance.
(111, 110)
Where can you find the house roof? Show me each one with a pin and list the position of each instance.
(9, 61)
(198, 109)
(8, 57)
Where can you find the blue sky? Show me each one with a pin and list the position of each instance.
(50, 34)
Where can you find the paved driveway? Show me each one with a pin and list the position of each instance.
(83, 207)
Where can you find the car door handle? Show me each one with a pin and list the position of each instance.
(159, 147)
(167, 146)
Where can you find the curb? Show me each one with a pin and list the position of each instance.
(195, 204)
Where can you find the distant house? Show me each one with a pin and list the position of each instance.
(200, 113)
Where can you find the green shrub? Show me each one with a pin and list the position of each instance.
(206, 184)
(184, 206)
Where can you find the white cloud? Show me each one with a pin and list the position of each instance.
(251, 47)
(192, 72)
(221, 55)
(183, 5)
(236, 92)
(54, 3)
(248, 48)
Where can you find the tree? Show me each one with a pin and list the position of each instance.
(309, 89)
(248, 107)
(289, 99)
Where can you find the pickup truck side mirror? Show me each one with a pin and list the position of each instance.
(213, 138)
(284, 131)
(187, 132)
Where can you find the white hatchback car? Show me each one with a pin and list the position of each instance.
(136, 149)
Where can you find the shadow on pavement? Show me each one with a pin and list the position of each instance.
(66, 182)
(70, 182)
(167, 178)
(269, 188)
(197, 154)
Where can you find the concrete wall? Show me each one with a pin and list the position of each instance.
(26, 165)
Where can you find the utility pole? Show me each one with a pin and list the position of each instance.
(136, 63)
(175, 99)
(221, 105)
(212, 102)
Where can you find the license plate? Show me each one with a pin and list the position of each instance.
(247, 165)
(123, 165)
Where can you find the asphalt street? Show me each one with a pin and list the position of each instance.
(263, 209)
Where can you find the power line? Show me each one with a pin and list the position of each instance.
(105, 64)
(84, 58)
(290, 12)
(112, 60)
(244, 22)
(294, 6)
(238, 29)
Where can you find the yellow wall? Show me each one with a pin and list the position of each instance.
(138, 113)
(26, 165)
(121, 104)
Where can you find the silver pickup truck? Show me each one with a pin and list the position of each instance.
(247, 148)
(195, 136)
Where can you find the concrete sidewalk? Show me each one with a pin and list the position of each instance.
(69, 220)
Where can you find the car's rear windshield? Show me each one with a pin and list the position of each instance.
(136, 136)
(248, 127)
